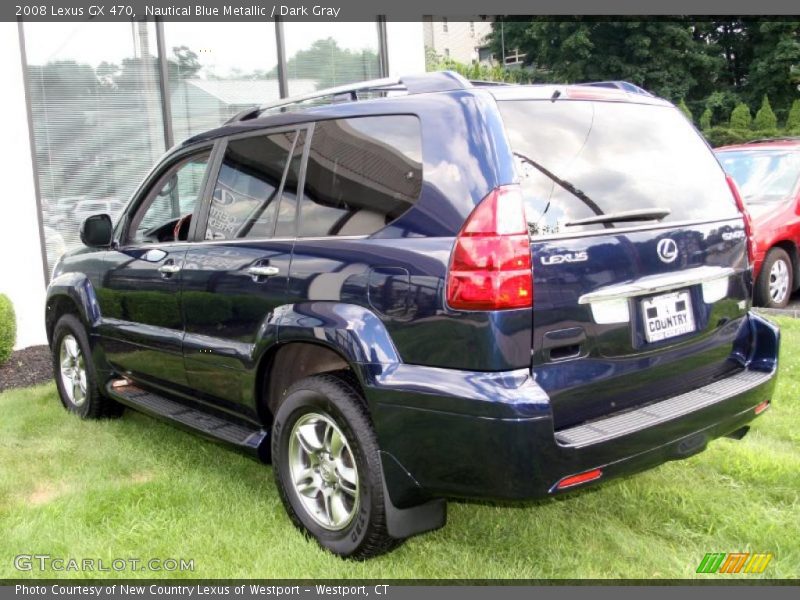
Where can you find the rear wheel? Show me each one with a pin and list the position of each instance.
(74, 372)
(327, 467)
(774, 285)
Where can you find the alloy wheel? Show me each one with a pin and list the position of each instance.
(323, 470)
(73, 370)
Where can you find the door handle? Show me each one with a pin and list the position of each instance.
(169, 269)
(260, 271)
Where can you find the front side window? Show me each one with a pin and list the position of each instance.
(166, 213)
(362, 174)
(245, 199)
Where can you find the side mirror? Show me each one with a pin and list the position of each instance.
(97, 231)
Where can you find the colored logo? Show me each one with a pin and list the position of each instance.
(734, 562)
(667, 250)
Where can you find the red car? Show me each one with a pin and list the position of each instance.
(768, 175)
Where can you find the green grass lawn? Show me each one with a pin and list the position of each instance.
(138, 488)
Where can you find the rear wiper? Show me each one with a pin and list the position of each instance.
(563, 183)
(645, 214)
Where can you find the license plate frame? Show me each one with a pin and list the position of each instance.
(667, 316)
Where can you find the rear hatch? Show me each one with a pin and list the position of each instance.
(639, 252)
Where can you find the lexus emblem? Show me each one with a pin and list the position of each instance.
(667, 250)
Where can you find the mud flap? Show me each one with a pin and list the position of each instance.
(402, 523)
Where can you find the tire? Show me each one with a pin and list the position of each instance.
(78, 389)
(352, 522)
(776, 280)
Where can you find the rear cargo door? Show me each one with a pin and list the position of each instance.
(639, 253)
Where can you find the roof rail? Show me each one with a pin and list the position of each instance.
(440, 81)
(783, 138)
(625, 86)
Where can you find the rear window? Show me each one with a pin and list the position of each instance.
(619, 156)
(763, 175)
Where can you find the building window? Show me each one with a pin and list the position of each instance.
(515, 57)
(217, 70)
(319, 55)
(97, 119)
(444, 24)
(472, 28)
(447, 52)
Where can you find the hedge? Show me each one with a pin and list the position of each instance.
(8, 328)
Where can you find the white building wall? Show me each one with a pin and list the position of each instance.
(458, 40)
(21, 271)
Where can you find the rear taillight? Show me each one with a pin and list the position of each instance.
(490, 268)
(748, 223)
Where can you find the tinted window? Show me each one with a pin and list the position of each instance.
(362, 174)
(287, 212)
(622, 156)
(175, 195)
(245, 199)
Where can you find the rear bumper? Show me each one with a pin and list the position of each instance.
(491, 435)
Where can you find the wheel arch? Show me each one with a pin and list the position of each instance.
(320, 337)
(70, 293)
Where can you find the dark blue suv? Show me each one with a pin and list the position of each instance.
(425, 288)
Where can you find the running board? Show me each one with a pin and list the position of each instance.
(248, 438)
(622, 424)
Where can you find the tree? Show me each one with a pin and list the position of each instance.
(329, 65)
(685, 109)
(793, 120)
(776, 49)
(668, 58)
(741, 117)
(705, 119)
(765, 119)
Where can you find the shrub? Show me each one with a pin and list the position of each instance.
(705, 119)
(685, 109)
(741, 117)
(8, 328)
(793, 120)
(765, 118)
(723, 136)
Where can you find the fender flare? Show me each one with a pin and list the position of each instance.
(76, 287)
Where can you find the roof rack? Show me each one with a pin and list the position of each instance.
(440, 81)
(625, 86)
(785, 138)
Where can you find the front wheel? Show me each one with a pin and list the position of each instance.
(327, 467)
(774, 285)
(74, 372)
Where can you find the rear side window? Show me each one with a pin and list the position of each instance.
(621, 156)
(245, 200)
(362, 174)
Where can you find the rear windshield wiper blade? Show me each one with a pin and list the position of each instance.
(563, 183)
(645, 214)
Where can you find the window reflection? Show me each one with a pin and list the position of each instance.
(218, 69)
(97, 119)
(319, 55)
